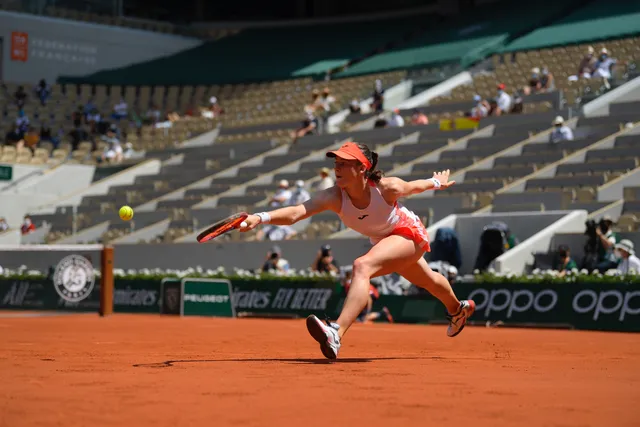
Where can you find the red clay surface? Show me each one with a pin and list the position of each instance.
(83, 370)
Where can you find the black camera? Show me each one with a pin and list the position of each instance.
(274, 255)
(590, 228)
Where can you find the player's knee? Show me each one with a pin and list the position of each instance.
(362, 267)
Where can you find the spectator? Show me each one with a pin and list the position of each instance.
(324, 261)
(325, 180)
(31, 139)
(587, 65)
(378, 96)
(14, 137)
(518, 103)
(282, 196)
(419, 118)
(276, 232)
(604, 66)
(535, 85)
(45, 132)
(88, 108)
(94, 119)
(396, 120)
(20, 97)
(152, 116)
(43, 90)
(27, 226)
(629, 262)
(503, 101)
(561, 132)
(3, 225)
(22, 122)
(354, 107)
(113, 151)
(120, 110)
(481, 109)
(565, 263)
(308, 127)
(299, 195)
(547, 81)
(381, 122)
(607, 238)
(275, 263)
(328, 101)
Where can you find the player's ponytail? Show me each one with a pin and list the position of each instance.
(373, 174)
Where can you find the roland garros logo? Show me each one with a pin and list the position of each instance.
(73, 278)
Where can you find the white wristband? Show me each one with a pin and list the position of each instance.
(265, 218)
(436, 183)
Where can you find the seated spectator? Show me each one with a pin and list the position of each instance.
(120, 110)
(354, 107)
(396, 120)
(43, 90)
(308, 127)
(45, 132)
(565, 263)
(518, 103)
(547, 81)
(378, 97)
(324, 261)
(276, 232)
(381, 122)
(629, 262)
(77, 135)
(325, 180)
(561, 132)
(20, 97)
(503, 101)
(14, 137)
(3, 225)
(93, 120)
(299, 195)
(587, 65)
(113, 152)
(88, 108)
(152, 116)
(534, 85)
(22, 122)
(282, 195)
(31, 139)
(481, 109)
(275, 263)
(419, 118)
(27, 226)
(604, 66)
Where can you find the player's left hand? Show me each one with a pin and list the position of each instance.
(443, 177)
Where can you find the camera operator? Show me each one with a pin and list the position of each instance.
(601, 245)
(324, 261)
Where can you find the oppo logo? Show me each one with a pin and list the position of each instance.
(517, 301)
(606, 302)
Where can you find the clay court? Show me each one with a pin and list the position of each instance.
(137, 370)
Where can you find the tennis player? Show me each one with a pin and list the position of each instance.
(367, 202)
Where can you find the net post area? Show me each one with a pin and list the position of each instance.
(106, 281)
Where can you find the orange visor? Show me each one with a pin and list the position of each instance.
(350, 151)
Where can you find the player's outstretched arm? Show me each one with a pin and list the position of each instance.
(321, 201)
(398, 188)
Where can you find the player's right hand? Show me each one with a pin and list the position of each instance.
(251, 222)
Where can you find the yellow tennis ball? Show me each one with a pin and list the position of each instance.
(126, 213)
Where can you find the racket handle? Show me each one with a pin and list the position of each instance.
(243, 224)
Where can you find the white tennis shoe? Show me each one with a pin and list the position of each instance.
(458, 320)
(326, 335)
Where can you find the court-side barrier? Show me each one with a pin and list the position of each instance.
(571, 305)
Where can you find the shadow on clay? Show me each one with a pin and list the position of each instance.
(169, 363)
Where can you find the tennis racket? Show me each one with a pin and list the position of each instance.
(223, 226)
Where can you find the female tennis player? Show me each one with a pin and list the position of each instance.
(367, 202)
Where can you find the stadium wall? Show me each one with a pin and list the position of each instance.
(36, 47)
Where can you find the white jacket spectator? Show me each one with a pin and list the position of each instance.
(604, 64)
(282, 196)
(325, 180)
(503, 100)
(629, 262)
(396, 120)
(299, 195)
(561, 132)
(480, 110)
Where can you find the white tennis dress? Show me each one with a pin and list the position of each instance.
(380, 220)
